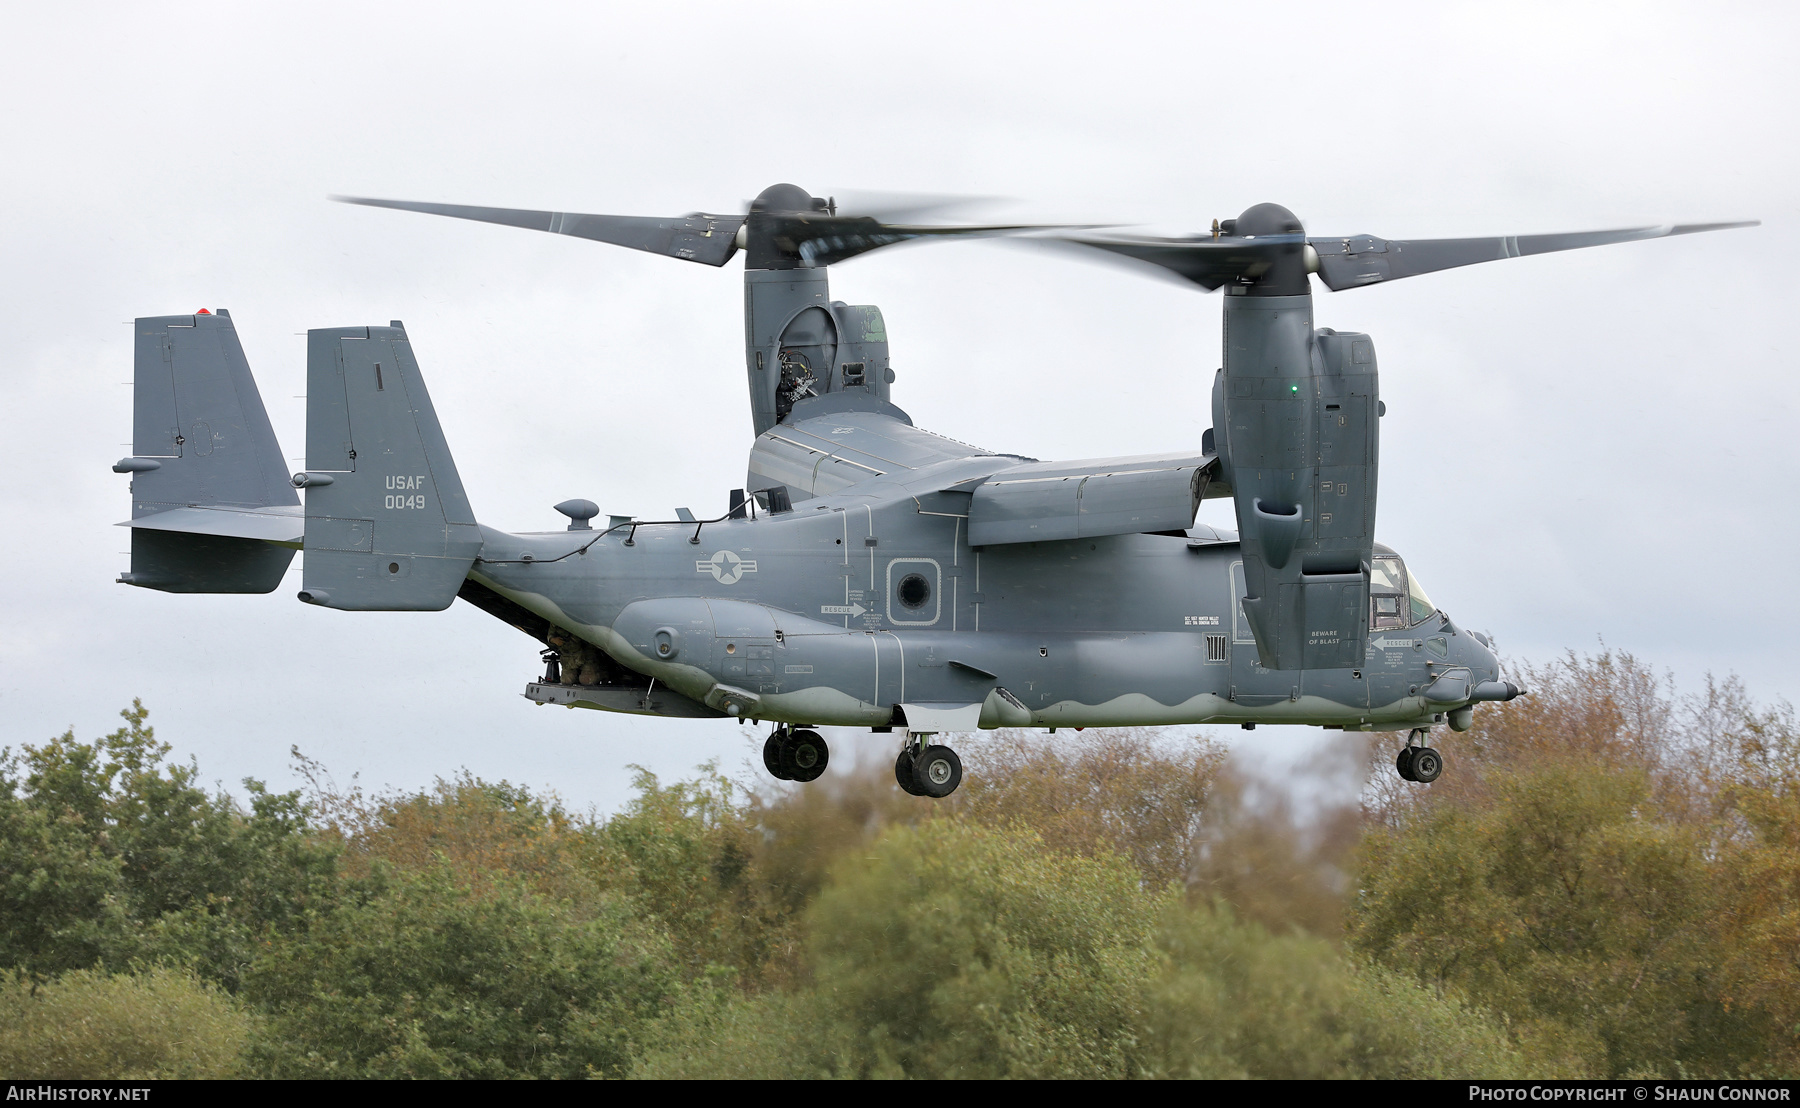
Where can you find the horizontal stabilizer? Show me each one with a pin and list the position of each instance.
(182, 561)
(284, 525)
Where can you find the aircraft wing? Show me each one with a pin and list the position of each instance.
(817, 455)
(1047, 501)
(1012, 499)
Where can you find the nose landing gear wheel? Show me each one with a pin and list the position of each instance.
(1419, 763)
(803, 756)
(937, 771)
(1426, 765)
(1403, 762)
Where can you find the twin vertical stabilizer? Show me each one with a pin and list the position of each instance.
(388, 526)
(211, 507)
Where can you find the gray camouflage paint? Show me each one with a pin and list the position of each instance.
(896, 576)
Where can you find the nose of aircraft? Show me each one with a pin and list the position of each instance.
(1484, 663)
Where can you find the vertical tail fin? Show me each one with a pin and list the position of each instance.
(388, 526)
(212, 509)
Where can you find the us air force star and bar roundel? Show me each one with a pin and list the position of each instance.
(726, 567)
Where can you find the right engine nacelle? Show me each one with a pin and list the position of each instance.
(1296, 426)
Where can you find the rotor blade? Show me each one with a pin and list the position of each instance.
(708, 239)
(819, 239)
(1346, 263)
(904, 207)
(1207, 262)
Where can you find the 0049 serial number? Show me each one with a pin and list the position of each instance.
(402, 500)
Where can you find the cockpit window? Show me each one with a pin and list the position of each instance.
(1396, 599)
(1387, 595)
(1389, 576)
(1422, 607)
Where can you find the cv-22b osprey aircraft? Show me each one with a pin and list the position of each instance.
(870, 573)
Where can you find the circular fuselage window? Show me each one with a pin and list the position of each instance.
(914, 591)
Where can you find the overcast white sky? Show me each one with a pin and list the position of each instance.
(1581, 445)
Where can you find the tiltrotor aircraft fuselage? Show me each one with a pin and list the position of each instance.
(869, 573)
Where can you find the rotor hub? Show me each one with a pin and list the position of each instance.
(1268, 219)
(786, 198)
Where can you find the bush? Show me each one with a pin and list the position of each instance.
(948, 950)
(959, 951)
(1237, 1001)
(415, 976)
(1138, 793)
(89, 1025)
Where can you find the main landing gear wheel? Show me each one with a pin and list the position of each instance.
(903, 773)
(795, 755)
(1403, 763)
(937, 771)
(803, 756)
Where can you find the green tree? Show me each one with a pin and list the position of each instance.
(1235, 1000)
(951, 950)
(1760, 930)
(1565, 904)
(414, 975)
(958, 951)
(948, 950)
(108, 851)
(1135, 792)
(682, 853)
(1610, 865)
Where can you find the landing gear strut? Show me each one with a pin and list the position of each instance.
(923, 769)
(1419, 763)
(792, 754)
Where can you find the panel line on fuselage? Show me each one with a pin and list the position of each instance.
(955, 578)
(902, 645)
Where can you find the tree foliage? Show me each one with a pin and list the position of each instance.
(953, 950)
(1610, 866)
(1606, 881)
(1133, 793)
(89, 1024)
(108, 852)
(414, 975)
